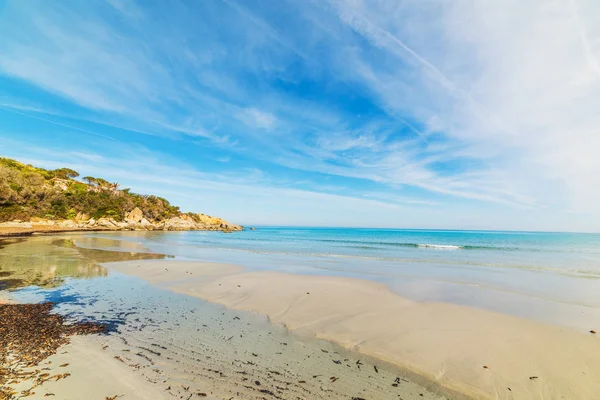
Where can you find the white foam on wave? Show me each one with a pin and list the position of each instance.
(439, 246)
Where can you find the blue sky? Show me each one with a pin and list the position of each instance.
(467, 115)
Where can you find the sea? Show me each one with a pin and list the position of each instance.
(550, 277)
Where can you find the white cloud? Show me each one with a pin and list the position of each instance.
(514, 82)
(258, 119)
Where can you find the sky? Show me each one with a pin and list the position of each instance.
(380, 113)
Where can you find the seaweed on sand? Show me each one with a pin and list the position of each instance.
(30, 333)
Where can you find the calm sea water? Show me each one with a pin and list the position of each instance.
(553, 277)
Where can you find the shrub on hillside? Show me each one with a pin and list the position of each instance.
(27, 191)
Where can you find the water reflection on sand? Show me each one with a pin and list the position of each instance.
(46, 260)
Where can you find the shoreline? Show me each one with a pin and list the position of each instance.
(480, 353)
(229, 354)
(6, 232)
(15, 232)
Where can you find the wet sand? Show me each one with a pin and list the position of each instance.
(93, 374)
(29, 334)
(473, 351)
(47, 260)
(165, 344)
(187, 348)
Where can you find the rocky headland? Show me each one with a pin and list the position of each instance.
(36, 200)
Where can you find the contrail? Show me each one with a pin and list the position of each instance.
(56, 123)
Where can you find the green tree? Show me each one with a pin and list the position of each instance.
(65, 173)
(90, 180)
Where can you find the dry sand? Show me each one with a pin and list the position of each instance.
(473, 351)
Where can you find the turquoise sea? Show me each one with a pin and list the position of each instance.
(552, 277)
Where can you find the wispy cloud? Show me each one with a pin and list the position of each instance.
(585, 42)
(258, 119)
(510, 87)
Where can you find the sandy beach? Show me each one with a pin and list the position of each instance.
(187, 327)
(39, 353)
(93, 374)
(162, 344)
(468, 350)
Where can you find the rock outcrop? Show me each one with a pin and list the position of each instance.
(82, 217)
(134, 220)
(179, 224)
(135, 216)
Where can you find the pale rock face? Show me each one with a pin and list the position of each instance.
(213, 223)
(82, 217)
(178, 224)
(144, 225)
(134, 220)
(145, 222)
(140, 227)
(61, 184)
(135, 216)
(208, 220)
(105, 222)
(188, 219)
(42, 221)
(120, 224)
(15, 224)
(67, 224)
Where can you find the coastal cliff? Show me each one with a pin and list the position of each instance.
(38, 200)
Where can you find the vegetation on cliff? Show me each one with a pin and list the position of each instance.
(27, 191)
